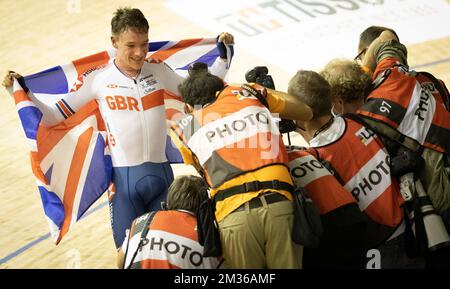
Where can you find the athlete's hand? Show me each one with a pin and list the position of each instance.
(226, 38)
(9, 78)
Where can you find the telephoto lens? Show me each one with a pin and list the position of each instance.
(437, 235)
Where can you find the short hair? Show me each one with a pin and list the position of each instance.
(200, 88)
(313, 90)
(187, 193)
(371, 33)
(126, 18)
(348, 81)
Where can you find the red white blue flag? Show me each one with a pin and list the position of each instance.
(70, 160)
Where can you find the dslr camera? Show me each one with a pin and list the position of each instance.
(260, 75)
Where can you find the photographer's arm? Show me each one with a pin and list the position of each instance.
(288, 106)
(372, 57)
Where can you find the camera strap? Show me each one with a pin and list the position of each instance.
(256, 94)
(143, 240)
(386, 131)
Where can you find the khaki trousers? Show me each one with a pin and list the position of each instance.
(260, 238)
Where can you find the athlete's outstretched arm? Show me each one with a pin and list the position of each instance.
(225, 42)
(56, 112)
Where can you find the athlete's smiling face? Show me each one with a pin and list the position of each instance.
(132, 47)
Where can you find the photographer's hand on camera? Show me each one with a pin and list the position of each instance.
(280, 102)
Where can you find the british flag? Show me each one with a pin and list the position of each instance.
(70, 160)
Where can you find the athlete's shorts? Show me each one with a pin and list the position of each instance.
(139, 189)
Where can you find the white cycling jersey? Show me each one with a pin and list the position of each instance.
(132, 108)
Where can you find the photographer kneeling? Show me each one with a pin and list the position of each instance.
(233, 141)
(167, 239)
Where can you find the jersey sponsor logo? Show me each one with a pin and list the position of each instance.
(306, 169)
(113, 85)
(78, 83)
(90, 70)
(147, 76)
(148, 84)
(118, 102)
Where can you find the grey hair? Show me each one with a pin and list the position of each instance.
(347, 79)
(312, 89)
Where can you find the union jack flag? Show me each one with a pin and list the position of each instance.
(70, 160)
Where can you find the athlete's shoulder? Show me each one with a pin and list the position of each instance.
(156, 65)
(89, 76)
(94, 71)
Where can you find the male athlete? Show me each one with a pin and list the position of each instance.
(130, 94)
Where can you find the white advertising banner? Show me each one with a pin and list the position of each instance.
(293, 34)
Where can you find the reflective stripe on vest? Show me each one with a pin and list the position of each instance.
(410, 103)
(234, 135)
(171, 243)
(325, 191)
(362, 162)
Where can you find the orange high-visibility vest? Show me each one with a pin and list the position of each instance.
(361, 162)
(234, 135)
(172, 243)
(236, 141)
(411, 104)
(322, 187)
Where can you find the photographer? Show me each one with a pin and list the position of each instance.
(167, 239)
(340, 221)
(233, 141)
(400, 90)
(361, 163)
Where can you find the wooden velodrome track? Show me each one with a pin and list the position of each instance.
(39, 34)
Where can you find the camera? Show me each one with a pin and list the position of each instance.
(260, 75)
(406, 161)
